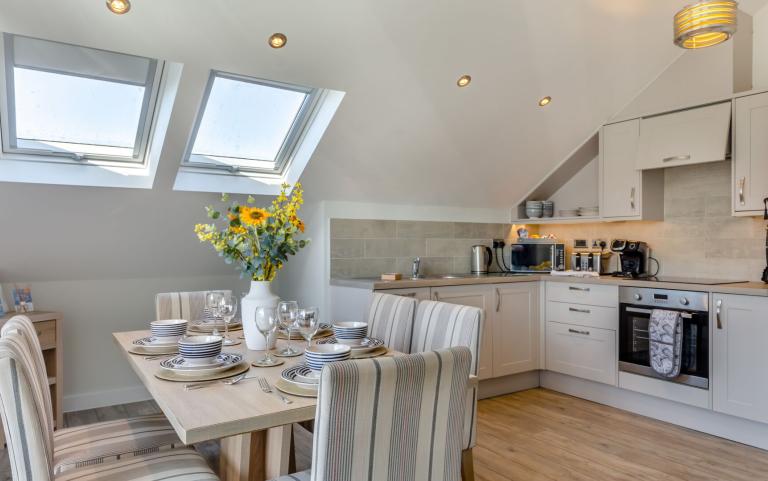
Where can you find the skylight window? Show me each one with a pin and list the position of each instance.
(68, 102)
(249, 125)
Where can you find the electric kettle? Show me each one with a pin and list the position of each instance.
(481, 259)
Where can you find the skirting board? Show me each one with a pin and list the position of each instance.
(703, 420)
(98, 399)
(508, 384)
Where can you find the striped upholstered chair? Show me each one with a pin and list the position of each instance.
(181, 305)
(391, 419)
(439, 325)
(390, 318)
(93, 443)
(27, 433)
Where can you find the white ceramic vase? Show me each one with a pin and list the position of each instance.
(260, 295)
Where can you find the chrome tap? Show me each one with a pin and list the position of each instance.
(415, 269)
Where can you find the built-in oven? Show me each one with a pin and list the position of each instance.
(636, 306)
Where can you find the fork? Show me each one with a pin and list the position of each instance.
(264, 384)
(155, 358)
(231, 381)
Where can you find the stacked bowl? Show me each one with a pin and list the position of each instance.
(168, 331)
(200, 350)
(319, 355)
(350, 333)
(548, 208)
(534, 209)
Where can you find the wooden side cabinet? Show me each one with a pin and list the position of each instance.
(49, 331)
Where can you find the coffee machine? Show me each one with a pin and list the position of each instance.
(633, 257)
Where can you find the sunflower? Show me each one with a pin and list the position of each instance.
(253, 215)
(238, 229)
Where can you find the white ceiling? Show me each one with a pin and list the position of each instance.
(404, 133)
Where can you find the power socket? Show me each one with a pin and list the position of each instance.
(498, 243)
(599, 243)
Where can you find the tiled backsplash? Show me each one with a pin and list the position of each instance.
(698, 238)
(368, 248)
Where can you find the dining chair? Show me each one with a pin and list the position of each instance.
(440, 325)
(92, 443)
(31, 458)
(390, 318)
(390, 418)
(181, 305)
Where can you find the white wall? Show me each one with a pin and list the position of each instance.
(760, 49)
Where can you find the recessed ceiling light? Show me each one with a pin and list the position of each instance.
(118, 6)
(545, 101)
(464, 80)
(277, 40)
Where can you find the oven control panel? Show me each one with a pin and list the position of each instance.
(664, 298)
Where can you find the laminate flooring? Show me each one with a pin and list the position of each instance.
(542, 435)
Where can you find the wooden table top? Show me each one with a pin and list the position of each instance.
(219, 411)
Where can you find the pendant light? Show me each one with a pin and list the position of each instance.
(119, 7)
(704, 24)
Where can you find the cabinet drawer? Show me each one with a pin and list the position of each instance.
(583, 315)
(46, 333)
(581, 351)
(589, 294)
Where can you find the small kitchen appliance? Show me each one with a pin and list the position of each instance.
(586, 259)
(482, 256)
(537, 255)
(633, 257)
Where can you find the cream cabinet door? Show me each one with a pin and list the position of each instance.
(740, 364)
(750, 153)
(477, 296)
(584, 352)
(619, 179)
(515, 328)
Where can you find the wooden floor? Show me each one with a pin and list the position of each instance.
(541, 435)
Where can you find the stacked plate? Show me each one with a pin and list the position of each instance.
(187, 367)
(168, 331)
(299, 380)
(568, 213)
(534, 209)
(366, 346)
(319, 355)
(200, 350)
(589, 211)
(350, 333)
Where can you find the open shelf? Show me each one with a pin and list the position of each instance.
(558, 220)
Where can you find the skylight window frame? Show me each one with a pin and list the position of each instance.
(150, 99)
(284, 157)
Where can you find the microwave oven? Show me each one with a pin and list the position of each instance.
(531, 256)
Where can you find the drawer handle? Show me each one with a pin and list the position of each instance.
(436, 296)
(580, 289)
(39, 333)
(676, 157)
(409, 294)
(576, 331)
(742, 182)
(582, 311)
(632, 198)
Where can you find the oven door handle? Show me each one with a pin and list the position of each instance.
(649, 311)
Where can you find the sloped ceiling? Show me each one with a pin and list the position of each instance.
(404, 133)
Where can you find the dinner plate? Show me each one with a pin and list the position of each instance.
(176, 376)
(143, 351)
(379, 351)
(294, 390)
(150, 342)
(291, 375)
(368, 344)
(223, 362)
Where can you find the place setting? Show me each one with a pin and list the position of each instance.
(200, 358)
(218, 315)
(164, 338)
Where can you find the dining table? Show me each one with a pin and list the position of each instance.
(254, 426)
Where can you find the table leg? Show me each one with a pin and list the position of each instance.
(256, 456)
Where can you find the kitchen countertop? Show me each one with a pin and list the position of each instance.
(743, 288)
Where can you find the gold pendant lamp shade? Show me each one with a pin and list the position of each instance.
(705, 24)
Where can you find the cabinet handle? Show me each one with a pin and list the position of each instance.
(580, 289)
(719, 305)
(498, 300)
(576, 331)
(39, 333)
(409, 294)
(582, 311)
(742, 182)
(436, 296)
(632, 198)
(677, 157)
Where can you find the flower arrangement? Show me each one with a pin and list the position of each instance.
(258, 241)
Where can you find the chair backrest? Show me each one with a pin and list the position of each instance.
(439, 325)
(392, 419)
(23, 326)
(390, 318)
(181, 305)
(22, 410)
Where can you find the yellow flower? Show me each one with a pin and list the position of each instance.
(253, 216)
(238, 229)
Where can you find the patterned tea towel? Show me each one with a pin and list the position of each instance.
(665, 331)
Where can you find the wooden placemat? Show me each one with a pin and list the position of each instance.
(143, 351)
(379, 351)
(167, 375)
(294, 390)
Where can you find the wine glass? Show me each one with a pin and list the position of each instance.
(227, 310)
(266, 322)
(287, 311)
(308, 323)
(212, 302)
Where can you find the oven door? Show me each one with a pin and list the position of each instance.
(634, 345)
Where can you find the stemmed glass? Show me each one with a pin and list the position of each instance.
(287, 311)
(212, 304)
(266, 323)
(227, 310)
(308, 323)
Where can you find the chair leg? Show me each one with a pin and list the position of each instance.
(467, 466)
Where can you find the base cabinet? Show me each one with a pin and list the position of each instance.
(418, 293)
(740, 364)
(580, 351)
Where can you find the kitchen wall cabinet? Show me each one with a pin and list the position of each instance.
(510, 342)
(750, 153)
(740, 364)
